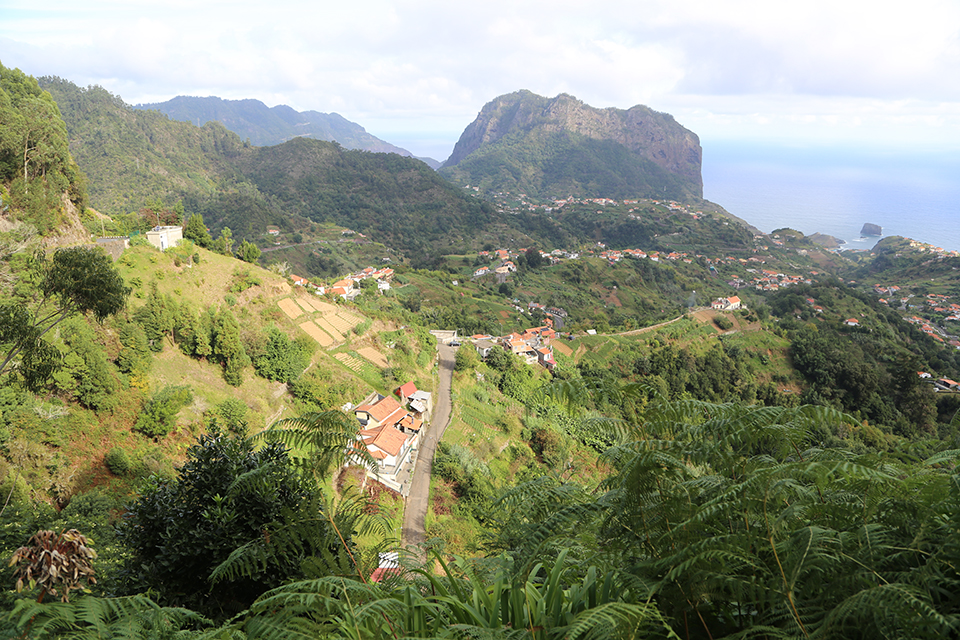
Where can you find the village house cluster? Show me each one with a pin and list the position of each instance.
(767, 280)
(934, 302)
(348, 286)
(533, 345)
(923, 247)
(390, 431)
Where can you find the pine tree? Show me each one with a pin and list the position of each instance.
(196, 231)
(229, 349)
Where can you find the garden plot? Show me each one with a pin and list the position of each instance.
(290, 308)
(320, 306)
(305, 305)
(317, 333)
(349, 362)
(562, 348)
(341, 324)
(373, 356)
(329, 328)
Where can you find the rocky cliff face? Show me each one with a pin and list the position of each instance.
(647, 133)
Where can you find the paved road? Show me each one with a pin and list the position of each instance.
(415, 513)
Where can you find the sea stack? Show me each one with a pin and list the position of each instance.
(871, 230)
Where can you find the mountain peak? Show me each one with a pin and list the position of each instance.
(655, 139)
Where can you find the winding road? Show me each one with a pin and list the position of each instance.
(418, 500)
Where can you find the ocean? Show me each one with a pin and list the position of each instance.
(836, 190)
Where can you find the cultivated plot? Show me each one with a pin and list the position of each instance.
(317, 333)
(373, 356)
(349, 361)
(290, 308)
(329, 328)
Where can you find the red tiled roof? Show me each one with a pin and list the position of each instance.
(407, 390)
(409, 422)
(386, 438)
(386, 410)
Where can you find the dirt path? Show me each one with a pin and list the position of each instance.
(650, 328)
(415, 512)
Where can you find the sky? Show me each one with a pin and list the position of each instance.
(417, 72)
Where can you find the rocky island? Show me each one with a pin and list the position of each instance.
(871, 230)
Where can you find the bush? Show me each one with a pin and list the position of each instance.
(232, 414)
(160, 412)
(117, 461)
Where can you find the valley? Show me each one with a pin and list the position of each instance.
(545, 391)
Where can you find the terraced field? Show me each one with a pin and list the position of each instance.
(349, 361)
(373, 356)
(317, 333)
(328, 324)
(290, 308)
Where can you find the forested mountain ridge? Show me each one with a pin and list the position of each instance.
(135, 157)
(561, 146)
(266, 126)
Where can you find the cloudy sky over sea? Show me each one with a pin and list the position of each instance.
(417, 72)
(787, 75)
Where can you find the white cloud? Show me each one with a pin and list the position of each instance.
(833, 67)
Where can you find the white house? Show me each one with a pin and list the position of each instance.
(727, 304)
(164, 238)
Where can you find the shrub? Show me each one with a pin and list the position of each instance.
(117, 461)
(160, 412)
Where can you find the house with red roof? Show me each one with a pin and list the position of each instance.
(384, 411)
(407, 390)
(388, 445)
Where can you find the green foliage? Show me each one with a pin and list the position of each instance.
(35, 159)
(75, 280)
(134, 357)
(196, 231)
(282, 359)
(231, 503)
(231, 414)
(723, 322)
(117, 461)
(85, 373)
(160, 412)
(157, 318)
(243, 279)
(224, 243)
(466, 358)
(228, 348)
(248, 252)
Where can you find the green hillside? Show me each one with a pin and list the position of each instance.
(740, 436)
(136, 158)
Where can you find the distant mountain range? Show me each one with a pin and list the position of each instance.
(560, 146)
(135, 157)
(265, 126)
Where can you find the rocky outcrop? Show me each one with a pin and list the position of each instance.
(871, 230)
(827, 241)
(649, 134)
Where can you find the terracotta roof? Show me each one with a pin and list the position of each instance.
(385, 410)
(381, 573)
(407, 390)
(409, 422)
(386, 438)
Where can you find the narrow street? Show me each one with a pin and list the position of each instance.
(415, 513)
